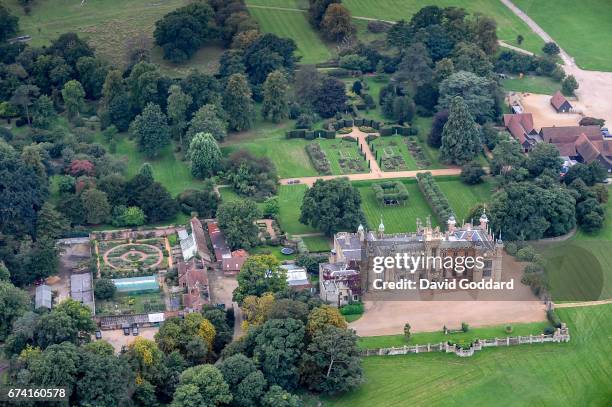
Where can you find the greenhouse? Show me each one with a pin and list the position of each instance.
(137, 284)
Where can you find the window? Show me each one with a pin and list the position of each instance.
(355, 298)
(486, 273)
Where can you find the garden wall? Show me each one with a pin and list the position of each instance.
(560, 335)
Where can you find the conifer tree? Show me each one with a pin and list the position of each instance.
(237, 103)
(461, 135)
(275, 104)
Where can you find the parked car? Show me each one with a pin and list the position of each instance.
(126, 330)
(98, 334)
(135, 330)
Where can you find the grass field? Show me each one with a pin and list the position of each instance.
(168, 169)
(290, 201)
(577, 373)
(508, 25)
(531, 84)
(106, 24)
(464, 197)
(487, 332)
(317, 244)
(400, 218)
(344, 156)
(274, 251)
(293, 24)
(581, 28)
(393, 146)
(581, 269)
(289, 156)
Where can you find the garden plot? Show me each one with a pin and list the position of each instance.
(344, 156)
(392, 154)
(131, 259)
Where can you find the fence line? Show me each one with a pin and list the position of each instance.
(560, 335)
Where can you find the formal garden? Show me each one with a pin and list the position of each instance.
(128, 303)
(392, 153)
(337, 156)
(119, 259)
(391, 193)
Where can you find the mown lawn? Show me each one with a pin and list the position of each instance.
(274, 251)
(531, 84)
(464, 197)
(294, 25)
(168, 168)
(393, 146)
(509, 26)
(344, 156)
(106, 24)
(288, 155)
(577, 373)
(290, 201)
(399, 218)
(317, 244)
(487, 332)
(582, 28)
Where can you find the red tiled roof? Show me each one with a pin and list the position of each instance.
(558, 100)
(519, 125)
(200, 239)
(569, 134)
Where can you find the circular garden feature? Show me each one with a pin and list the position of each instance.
(133, 255)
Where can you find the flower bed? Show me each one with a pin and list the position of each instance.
(318, 158)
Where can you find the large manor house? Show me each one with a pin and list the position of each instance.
(350, 272)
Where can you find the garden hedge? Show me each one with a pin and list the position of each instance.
(435, 197)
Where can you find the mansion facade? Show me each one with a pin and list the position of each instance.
(351, 270)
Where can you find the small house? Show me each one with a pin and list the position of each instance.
(43, 298)
(560, 103)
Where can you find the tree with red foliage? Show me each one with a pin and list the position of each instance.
(81, 167)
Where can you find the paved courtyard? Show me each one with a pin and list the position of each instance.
(450, 309)
(116, 337)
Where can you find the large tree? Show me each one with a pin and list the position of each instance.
(332, 206)
(183, 31)
(13, 303)
(74, 98)
(336, 24)
(278, 348)
(544, 157)
(208, 119)
(92, 74)
(507, 156)
(203, 202)
(275, 104)
(331, 97)
(151, 130)
(201, 385)
(205, 155)
(238, 104)
(526, 211)
(434, 138)
(479, 94)
(461, 135)
(317, 9)
(23, 193)
(9, 24)
(44, 112)
(247, 384)
(237, 219)
(50, 223)
(331, 363)
(178, 103)
(97, 208)
(416, 66)
(24, 96)
(260, 274)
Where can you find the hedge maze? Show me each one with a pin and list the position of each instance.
(435, 197)
(391, 192)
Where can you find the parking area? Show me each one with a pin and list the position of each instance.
(544, 115)
(116, 337)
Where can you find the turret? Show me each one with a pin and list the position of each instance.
(361, 233)
(451, 223)
(484, 220)
(381, 229)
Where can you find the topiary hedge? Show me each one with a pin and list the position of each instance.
(435, 197)
(390, 191)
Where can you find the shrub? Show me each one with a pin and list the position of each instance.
(304, 121)
(104, 289)
(355, 308)
(527, 253)
(472, 173)
(533, 268)
(537, 282)
(465, 327)
(511, 248)
(553, 318)
(377, 26)
(407, 330)
(508, 329)
(549, 330)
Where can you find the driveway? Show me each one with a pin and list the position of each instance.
(116, 337)
(595, 86)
